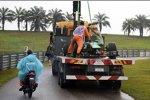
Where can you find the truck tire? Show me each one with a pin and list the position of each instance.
(61, 80)
(116, 85)
(54, 71)
(106, 83)
(111, 47)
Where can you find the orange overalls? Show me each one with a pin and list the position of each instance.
(78, 35)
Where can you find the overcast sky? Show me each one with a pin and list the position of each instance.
(117, 11)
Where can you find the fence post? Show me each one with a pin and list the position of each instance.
(17, 59)
(9, 57)
(133, 52)
(1, 62)
(122, 52)
(127, 53)
(38, 55)
(145, 52)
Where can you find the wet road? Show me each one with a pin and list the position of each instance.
(49, 90)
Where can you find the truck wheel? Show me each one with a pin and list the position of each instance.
(116, 85)
(106, 83)
(71, 83)
(61, 80)
(111, 47)
(54, 72)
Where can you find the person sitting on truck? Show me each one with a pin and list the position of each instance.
(26, 64)
(98, 35)
(79, 37)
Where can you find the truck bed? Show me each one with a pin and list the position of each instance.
(97, 61)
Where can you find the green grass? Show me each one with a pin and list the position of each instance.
(138, 85)
(11, 41)
(6, 75)
(14, 41)
(129, 42)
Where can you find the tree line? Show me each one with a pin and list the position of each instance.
(40, 20)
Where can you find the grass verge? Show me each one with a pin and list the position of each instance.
(6, 75)
(138, 85)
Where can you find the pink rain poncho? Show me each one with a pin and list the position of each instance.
(28, 63)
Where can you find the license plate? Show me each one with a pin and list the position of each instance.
(99, 69)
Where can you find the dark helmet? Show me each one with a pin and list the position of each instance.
(81, 22)
(29, 52)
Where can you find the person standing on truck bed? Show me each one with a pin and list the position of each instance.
(78, 37)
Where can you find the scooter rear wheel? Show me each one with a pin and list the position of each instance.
(30, 93)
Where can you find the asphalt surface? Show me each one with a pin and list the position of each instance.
(48, 89)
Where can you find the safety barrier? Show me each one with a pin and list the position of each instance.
(134, 53)
(10, 61)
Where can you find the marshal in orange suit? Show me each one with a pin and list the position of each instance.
(78, 37)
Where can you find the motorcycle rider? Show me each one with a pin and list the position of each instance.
(26, 64)
(78, 37)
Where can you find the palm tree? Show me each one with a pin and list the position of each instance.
(148, 26)
(55, 16)
(18, 15)
(38, 16)
(102, 20)
(26, 18)
(69, 16)
(141, 23)
(5, 15)
(128, 25)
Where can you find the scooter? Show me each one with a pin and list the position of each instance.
(29, 83)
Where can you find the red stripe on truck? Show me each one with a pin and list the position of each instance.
(113, 78)
(107, 62)
(79, 77)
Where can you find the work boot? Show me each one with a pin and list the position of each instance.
(35, 86)
(21, 88)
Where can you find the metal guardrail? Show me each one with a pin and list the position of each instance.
(10, 61)
(134, 53)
